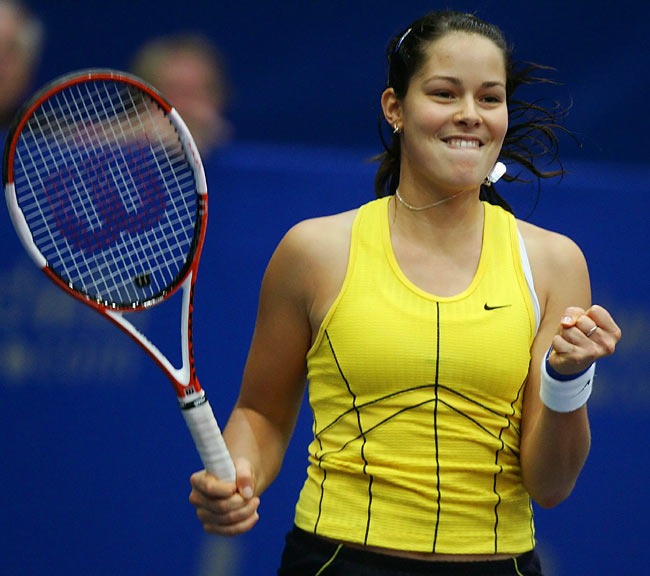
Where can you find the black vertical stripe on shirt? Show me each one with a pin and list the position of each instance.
(435, 424)
(361, 432)
(500, 468)
(322, 484)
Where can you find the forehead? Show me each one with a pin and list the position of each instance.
(463, 53)
(186, 62)
(9, 21)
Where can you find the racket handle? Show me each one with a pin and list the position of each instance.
(209, 441)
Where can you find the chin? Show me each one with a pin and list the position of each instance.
(465, 180)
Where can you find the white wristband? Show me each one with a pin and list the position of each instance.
(566, 395)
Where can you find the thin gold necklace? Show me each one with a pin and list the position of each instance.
(427, 206)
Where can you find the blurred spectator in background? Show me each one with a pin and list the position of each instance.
(189, 71)
(21, 39)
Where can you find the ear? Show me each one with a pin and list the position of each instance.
(392, 108)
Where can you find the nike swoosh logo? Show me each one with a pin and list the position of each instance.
(488, 307)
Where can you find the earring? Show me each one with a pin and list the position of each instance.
(396, 129)
(496, 173)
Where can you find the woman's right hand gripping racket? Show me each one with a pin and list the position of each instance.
(107, 192)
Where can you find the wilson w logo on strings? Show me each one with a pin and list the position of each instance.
(107, 194)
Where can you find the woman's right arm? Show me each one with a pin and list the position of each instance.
(260, 426)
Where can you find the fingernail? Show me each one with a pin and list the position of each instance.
(247, 492)
(567, 320)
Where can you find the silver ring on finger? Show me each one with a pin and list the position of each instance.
(591, 331)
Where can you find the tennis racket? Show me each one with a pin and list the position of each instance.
(107, 193)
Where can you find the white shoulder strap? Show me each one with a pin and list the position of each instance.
(525, 264)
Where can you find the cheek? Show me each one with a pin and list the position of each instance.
(502, 126)
(421, 115)
(432, 118)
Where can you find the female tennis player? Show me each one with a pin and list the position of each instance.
(449, 348)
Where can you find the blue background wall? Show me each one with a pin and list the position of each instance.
(94, 481)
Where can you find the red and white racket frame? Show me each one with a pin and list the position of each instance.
(192, 400)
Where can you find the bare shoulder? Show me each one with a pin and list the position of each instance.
(555, 259)
(310, 263)
(330, 227)
(319, 241)
(551, 248)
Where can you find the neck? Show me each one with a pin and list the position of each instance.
(450, 222)
(439, 249)
(427, 206)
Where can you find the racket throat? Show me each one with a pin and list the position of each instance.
(184, 380)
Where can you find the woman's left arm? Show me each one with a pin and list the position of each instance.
(555, 444)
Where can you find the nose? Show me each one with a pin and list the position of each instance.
(467, 113)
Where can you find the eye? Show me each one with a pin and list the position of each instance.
(443, 94)
(492, 99)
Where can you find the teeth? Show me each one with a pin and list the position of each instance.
(463, 143)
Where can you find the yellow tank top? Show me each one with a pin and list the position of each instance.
(417, 402)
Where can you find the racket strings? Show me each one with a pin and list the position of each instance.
(127, 178)
(107, 191)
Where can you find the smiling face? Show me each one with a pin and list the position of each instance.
(453, 117)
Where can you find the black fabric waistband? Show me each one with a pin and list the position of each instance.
(412, 565)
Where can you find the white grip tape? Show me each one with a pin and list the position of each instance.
(209, 442)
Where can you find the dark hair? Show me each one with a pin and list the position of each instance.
(532, 126)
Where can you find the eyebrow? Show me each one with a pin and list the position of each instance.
(459, 82)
